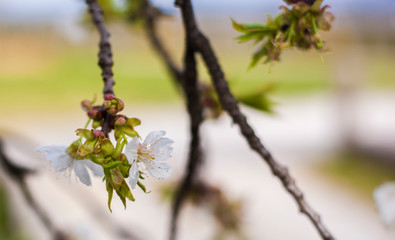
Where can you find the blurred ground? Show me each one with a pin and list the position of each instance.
(230, 165)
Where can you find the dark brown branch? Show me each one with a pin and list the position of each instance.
(105, 53)
(105, 56)
(19, 175)
(195, 110)
(151, 16)
(201, 44)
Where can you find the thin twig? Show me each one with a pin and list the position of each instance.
(19, 175)
(192, 90)
(201, 44)
(105, 56)
(195, 110)
(151, 15)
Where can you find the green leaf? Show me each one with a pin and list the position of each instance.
(258, 36)
(142, 187)
(114, 177)
(258, 55)
(124, 167)
(130, 131)
(112, 165)
(110, 191)
(85, 133)
(253, 27)
(134, 122)
(316, 6)
(106, 147)
(124, 192)
(237, 26)
(258, 100)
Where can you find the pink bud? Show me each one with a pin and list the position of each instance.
(120, 105)
(112, 111)
(107, 104)
(98, 133)
(109, 96)
(120, 121)
(95, 114)
(86, 105)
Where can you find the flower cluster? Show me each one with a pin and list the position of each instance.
(296, 27)
(128, 160)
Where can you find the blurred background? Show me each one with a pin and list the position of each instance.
(332, 122)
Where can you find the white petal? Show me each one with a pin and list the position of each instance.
(153, 136)
(60, 160)
(158, 170)
(131, 149)
(51, 149)
(61, 163)
(384, 197)
(133, 175)
(96, 169)
(81, 172)
(162, 149)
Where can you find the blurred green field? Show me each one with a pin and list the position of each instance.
(40, 70)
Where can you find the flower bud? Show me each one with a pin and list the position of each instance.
(109, 96)
(98, 134)
(86, 105)
(120, 105)
(96, 124)
(112, 111)
(107, 104)
(120, 121)
(95, 114)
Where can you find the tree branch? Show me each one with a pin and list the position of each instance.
(105, 56)
(195, 110)
(201, 44)
(105, 53)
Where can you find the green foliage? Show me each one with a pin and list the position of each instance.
(116, 181)
(258, 99)
(131, 10)
(296, 27)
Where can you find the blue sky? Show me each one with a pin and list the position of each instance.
(44, 11)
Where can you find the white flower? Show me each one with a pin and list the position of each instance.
(149, 156)
(61, 161)
(384, 197)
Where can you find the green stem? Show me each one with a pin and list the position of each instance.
(313, 23)
(87, 123)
